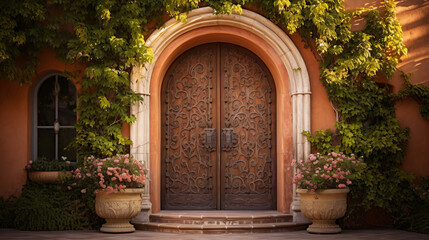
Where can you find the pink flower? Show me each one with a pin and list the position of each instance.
(116, 161)
(30, 162)
(341, 185)
(69, 188)
(109, 189)
(68, 162)
(349, 182)
(83, 191)
(28, 166)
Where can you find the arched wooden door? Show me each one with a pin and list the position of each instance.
(218, 134)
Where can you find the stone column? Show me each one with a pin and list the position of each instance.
(301, 122)
(139, 134)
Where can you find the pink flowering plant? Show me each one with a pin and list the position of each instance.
(110, 174)
(333, 170)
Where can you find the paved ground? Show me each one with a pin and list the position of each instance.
(389, 234)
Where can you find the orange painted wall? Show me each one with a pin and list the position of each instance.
(15, 125)
(14, 136)
(414, 17)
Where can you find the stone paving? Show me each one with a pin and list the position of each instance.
(389, 234)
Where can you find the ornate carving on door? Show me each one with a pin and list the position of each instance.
(218, 131)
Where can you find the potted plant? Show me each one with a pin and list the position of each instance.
(45, 170)
(322, 182)
(118, 183)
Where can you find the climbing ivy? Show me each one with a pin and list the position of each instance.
(419, 92)
(107, 38)
(25, 30)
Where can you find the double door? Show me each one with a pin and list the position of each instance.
(218, 135)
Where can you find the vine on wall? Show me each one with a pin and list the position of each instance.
(107, 36)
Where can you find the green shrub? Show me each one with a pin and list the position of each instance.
(413, 215)
(7, 212)
(44, 207)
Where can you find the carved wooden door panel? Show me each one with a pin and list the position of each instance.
(218, 135)
(189, 163)
(246, 130)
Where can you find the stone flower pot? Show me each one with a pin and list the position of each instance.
(118, 208)
(47, 176)
(323, 207)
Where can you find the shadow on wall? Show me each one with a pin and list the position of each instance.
(414, 18)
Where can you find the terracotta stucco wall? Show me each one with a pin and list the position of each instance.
(15, 125)
(414, 17)
(14, 136)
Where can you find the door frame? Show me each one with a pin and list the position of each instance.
(271, 45)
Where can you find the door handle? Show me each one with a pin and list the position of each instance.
(228, 139)
(209, 139)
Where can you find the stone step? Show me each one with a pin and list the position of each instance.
(216, 228)
(220, 217)
(220, 222)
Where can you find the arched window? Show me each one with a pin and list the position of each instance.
(53, 118)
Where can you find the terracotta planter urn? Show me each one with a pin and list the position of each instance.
(323, 207)
(118, 208)
(47, 176)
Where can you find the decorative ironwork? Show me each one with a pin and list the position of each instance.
(229, 139)
(248, 98)
(209, 138)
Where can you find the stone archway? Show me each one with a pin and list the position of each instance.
(268, 42)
